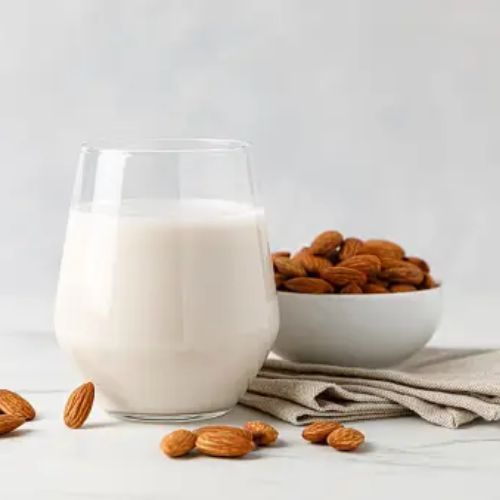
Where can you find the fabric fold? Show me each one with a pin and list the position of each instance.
(446, 387)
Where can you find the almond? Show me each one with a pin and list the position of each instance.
(224, 428)
(308, 285)
(301, 252)
(345, 439)
(312, 263)
(387, 262)
(340, 276)
(79, 405)
(368, 264)
(281, 253)
(406, 273)
(401, 287)
(279, 279)
(317, 432)
(326, 243)
(178, 443)
(262, 433)
(374, 288)
(350, 248)
(12, 403)
(352, 289)
(223, 444)
(419, 263)
(382, 248)
(428, 282)
(10, 422)
(289, 268)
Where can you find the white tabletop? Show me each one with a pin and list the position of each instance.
(110, 459)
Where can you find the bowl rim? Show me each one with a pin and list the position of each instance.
(364, 296)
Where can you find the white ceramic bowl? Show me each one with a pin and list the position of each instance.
(356, 330)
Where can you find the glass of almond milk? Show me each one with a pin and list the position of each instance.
(166, 298)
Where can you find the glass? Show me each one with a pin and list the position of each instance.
(166, 297)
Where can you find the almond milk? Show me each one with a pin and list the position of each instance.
(168, 307)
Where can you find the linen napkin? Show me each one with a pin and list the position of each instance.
(447, 387)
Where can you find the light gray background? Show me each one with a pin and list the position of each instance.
(380, 118)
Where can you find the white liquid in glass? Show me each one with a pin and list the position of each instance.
(169, 307)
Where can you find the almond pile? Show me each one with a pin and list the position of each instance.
(222, 441)
(334, 264)
(14, 411)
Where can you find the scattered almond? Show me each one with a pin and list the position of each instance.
(224, 428)
(178, 443)
(12, 403)
(223, 444)
(8, 423)
(317, 432)
(262, 434)
(308, 285)
(345, 439)
(79, 405)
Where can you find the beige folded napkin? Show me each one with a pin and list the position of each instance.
(447, 387)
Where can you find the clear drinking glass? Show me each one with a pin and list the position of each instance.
(166, 297)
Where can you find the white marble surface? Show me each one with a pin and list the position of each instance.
(110, 459)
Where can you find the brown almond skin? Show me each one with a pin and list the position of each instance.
(312, 263)
(351, 289)
(401, 288)
(224, 444)
(382, 248)
(350, 248)
(8, 423)
(79, 405)
(407, 273)
(308, 285)
(279, 279)
(289, 268)
(12, 403)
(224, 428)
(428, 282)
(374, 288)
(368, 264)
(262, 434)
(317, 432)
(345, 439)
(281, 253)
(341, 276)
(326, 243)
(421, 263)
(178, 443)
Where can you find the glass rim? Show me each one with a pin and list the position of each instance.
(165, 145)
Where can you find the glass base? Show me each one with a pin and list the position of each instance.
(166, 418)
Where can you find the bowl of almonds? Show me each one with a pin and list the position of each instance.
(353, 302)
